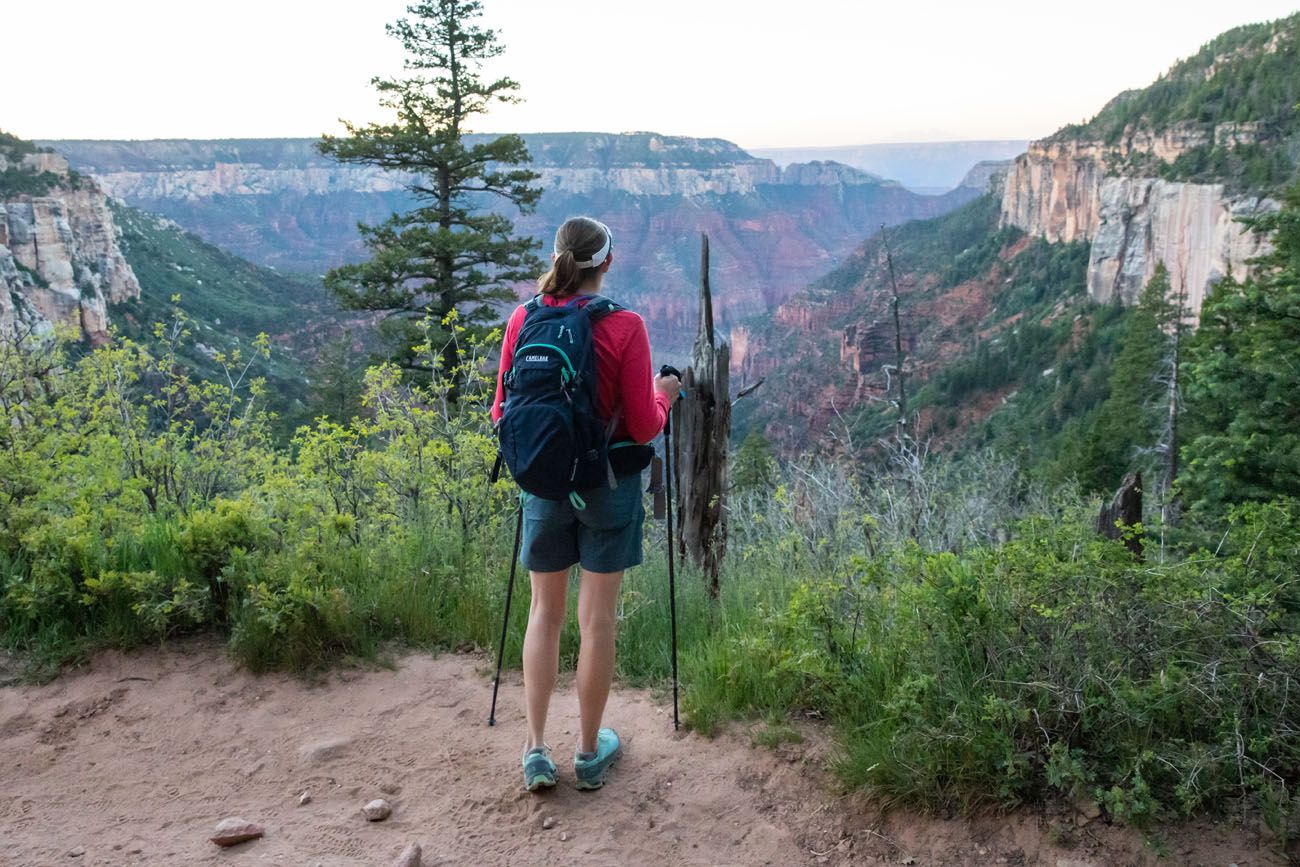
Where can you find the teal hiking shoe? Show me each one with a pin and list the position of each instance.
(539, 770)
(590, 768)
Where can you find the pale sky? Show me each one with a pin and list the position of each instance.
(760, 73)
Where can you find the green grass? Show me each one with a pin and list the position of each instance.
(419, 588)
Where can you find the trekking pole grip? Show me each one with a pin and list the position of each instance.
(669, 370)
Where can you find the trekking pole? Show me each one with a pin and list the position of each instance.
(666, 370)
(505, 621)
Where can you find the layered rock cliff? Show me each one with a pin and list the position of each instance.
(639, 164)
(1166, 173)
(59, 258)
(773, 229)
(239, 179)
(1067, 190)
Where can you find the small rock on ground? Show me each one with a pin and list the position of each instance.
(410, 856)
(304, 799)
(377, 810)
(548, 823)
(77, 852)
(235, 830)
(323, 750)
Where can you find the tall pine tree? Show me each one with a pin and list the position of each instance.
(1130, 421)
(449, 253)
(1242, 380)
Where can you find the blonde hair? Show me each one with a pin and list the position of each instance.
(578, 240)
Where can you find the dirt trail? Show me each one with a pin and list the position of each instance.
(135, 758)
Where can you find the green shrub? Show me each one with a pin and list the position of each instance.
(1054, 663)
(211, 537)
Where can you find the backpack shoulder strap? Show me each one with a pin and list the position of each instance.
(532, 304)
(600, 307)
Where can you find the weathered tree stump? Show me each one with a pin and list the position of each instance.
(1123, 512)
(701, 433)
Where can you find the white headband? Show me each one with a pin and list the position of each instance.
(602, 253)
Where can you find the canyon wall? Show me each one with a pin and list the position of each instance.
(1064, 189)
(772, 229)
(59, 258)
(239, 179)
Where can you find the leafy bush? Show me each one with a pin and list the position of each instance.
(137, 502)
(1053, 663)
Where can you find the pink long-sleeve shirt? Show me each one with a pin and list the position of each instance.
(624, 373)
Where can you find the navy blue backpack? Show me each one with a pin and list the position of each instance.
(550, 435)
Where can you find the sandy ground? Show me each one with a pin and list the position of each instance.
(133, 759)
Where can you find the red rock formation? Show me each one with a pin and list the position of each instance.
(771, 230)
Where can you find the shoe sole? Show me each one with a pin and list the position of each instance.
(539, 783)
(599, 783)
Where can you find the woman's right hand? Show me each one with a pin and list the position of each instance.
(670, 386)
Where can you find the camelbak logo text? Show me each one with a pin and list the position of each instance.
(537, 358)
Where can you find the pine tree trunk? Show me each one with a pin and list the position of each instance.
(702, 432)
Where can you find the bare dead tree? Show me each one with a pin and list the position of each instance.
(898, 331)
(1169, 438)
(702, 432)
(747, 390)
(910, 496)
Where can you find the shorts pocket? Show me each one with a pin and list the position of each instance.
(613, 508)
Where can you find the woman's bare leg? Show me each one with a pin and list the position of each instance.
(597, 620)
(542, 648)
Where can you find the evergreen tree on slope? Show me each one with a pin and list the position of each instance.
(1243, 380)
(1128, 422)
(449, 253)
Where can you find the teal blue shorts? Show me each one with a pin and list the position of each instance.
(603, 537)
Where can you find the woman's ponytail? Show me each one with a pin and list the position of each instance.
(580, 239)
(565, 276)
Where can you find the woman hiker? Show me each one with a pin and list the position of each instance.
(601, 529)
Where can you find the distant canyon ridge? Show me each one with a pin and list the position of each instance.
(772, 228)
(924, 167)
